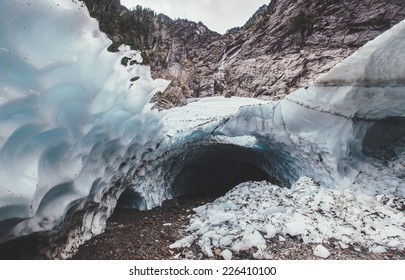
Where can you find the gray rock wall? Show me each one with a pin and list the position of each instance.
(281, 50)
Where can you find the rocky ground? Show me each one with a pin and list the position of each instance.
(133, 234)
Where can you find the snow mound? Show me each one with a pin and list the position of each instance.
(254, 212)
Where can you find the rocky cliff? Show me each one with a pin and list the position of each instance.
(284, 46)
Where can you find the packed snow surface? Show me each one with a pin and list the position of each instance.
(252, 213)
(203, 113)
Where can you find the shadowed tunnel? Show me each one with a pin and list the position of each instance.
(201, 168)
(218, 168)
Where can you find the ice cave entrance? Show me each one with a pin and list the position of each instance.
(217, 168)
(381, 139)
(207, 169)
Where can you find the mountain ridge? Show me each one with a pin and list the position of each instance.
(283, 49)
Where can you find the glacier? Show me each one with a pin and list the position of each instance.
(348, 125)
(78, 136)
(70, 116)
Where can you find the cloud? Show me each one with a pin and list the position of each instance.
(218, 15)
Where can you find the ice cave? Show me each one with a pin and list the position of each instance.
(78, 134)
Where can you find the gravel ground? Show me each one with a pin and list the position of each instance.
(133, 234)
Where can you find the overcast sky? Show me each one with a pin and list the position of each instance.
(217, 15)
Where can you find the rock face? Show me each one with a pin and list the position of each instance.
(283, 47)
(171, 47)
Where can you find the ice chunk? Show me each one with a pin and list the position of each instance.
(321, 251)
(225, 241)
(281, 238)
(378, 250)
(254, 239)
(196, 225)
(343, 245)
(207, 250)
(271, 231)
(220, 217)
(185, 242)
(226, 254)
(296, 224)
